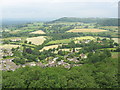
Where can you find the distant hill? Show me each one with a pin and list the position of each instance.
(100, 21)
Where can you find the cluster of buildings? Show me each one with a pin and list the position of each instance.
(8, 64)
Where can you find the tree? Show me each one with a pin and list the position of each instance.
(30, 43)
(29, 50)
(25, 41)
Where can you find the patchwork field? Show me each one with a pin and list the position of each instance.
(87, 30)
(49, 47)
(64, 41)
(15, 31)
(116, 40)
(110, 27)
(85, 37)
(38, 32)
(8, 46)
(15, 38)
(108, 49)
(68, 49)
(36, 40)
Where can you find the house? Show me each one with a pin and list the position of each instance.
(6, 52)
(61, 62)
(52, 65)
(30, 64)
(51, 62)
(73, 59)
(67, 66)
(83, 56)
(99, 41)
(7, 64)
(55, 59)
(77, 65)
(87, 41)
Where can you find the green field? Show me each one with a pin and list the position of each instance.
(36, 40)
(85, 37)
(8, 46)
(109, 48)
(87, 30)
(38, 32)
(49, 47)
(64, 41)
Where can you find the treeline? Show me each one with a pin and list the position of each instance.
(108, 22)
(59, 36)
(100, 21)
(73, 19)
(98, 75)
(20, 34)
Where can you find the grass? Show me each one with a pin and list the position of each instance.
(36, 40)
(110, 27)
(10, 38)
(38, 32)
(116, 40)
(85, 37)
(64, 41)
(27, 30)
(109, 48)
(87, 30)
(68, 49)
(14, 31)
(8, 46)
(49, 47)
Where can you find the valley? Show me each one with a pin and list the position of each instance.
(69, 46)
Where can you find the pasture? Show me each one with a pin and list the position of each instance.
(69, 49)
(86, 30)
(38, 32)
(14, 31)
(49, 47)
(64, 41)
(116, 40)
(8, 46)
(15, 38)
(110, 27)
(85, 37)
(36, 40)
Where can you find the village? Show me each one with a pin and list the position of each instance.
(65, 61)
(8, 64)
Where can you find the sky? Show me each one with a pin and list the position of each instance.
(52, 9)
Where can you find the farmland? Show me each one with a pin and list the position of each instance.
(8, 46)
(64, 41)
(87, 30)
(49, 47)
(116, 40)
(36, 40)
(85, 37)
(38, 32)
(51, 53)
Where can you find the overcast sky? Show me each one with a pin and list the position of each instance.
(43, 9)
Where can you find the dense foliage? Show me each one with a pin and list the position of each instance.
(99, 75)
(100, 21)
